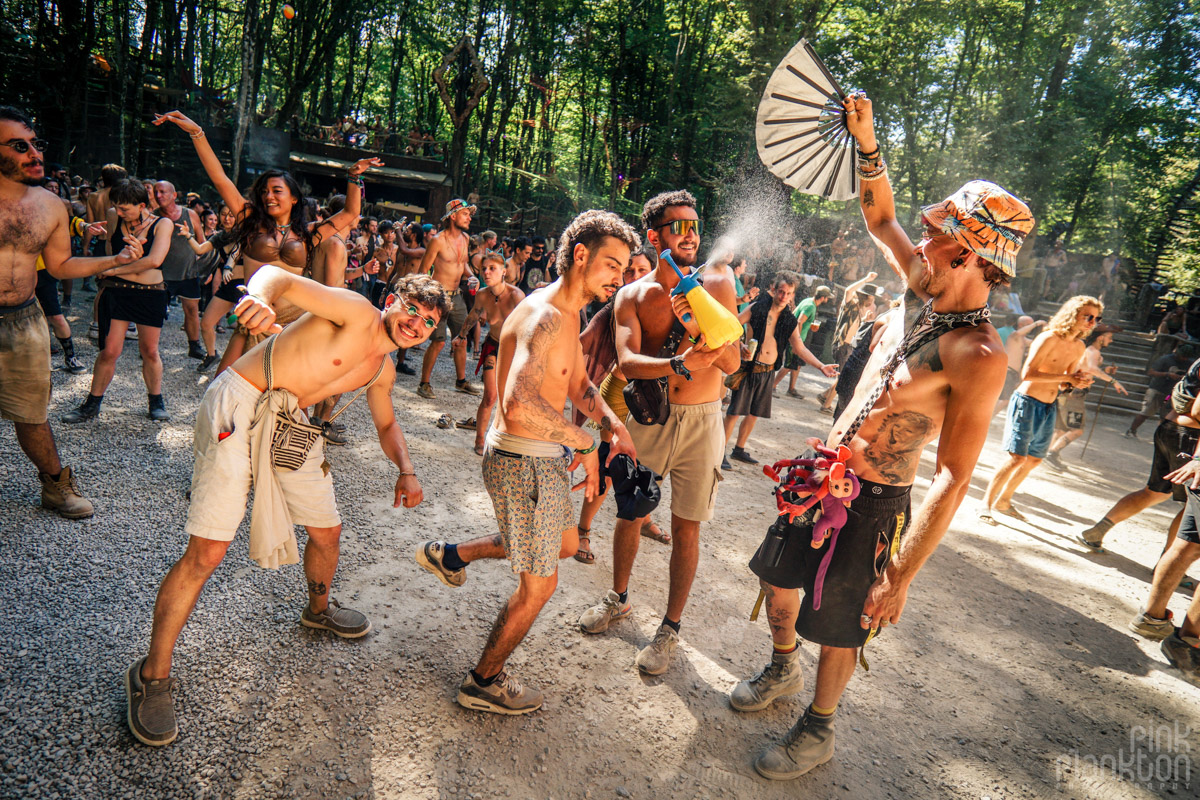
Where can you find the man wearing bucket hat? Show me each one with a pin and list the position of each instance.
(446, 260)
(940, 365)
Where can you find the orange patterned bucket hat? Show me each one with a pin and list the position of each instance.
(985, 219)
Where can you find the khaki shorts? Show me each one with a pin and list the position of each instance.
(24, 365)
(689, 449)
(221, 476)
(454, 320)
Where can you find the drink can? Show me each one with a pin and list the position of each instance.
(753, 348)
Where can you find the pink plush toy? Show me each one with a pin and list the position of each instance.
(825, 480)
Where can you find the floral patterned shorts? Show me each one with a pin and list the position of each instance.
(532, 498)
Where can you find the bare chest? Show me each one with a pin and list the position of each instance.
(24, 227)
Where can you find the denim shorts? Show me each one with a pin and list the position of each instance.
(1029, 426)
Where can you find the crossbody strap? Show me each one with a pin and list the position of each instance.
(358, 394)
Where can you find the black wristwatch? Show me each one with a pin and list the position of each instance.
(680, 369)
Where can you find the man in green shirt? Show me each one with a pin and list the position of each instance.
(806, 315)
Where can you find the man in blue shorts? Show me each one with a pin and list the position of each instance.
(1056, 358)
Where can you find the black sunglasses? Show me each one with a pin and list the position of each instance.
(1093, 317)
(22, 146)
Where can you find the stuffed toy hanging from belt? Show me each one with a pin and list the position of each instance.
(826, 480)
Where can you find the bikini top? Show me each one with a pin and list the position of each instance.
(264, 248)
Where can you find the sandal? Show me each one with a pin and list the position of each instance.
(1010, 512)
(445, 421)
(985, 516)
(468, 423)
(652, 531)
(581, 555)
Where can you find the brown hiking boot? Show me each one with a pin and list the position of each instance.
(63, 496)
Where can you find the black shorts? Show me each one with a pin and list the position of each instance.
(229, 291)
(875, 520)
(188, 288)
(753, 397)
(47, 293)
(468, 298)
(1173, 446)
(1188, 530)
(130, 302)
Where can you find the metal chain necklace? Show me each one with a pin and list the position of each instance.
(928, 326)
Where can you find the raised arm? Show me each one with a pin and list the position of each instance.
(354, 194)
(256, 311)
(975, 385)
(875, 197)
(212, 165)
(391, 437)
(854, 287)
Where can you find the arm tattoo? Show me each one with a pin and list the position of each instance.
(589, 399)
(895, 449)
(314, 587)
(868, 199)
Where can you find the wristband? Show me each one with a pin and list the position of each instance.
(595, 444)
(694, 339)
(413, 474)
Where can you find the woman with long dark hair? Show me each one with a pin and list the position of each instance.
(271, 225)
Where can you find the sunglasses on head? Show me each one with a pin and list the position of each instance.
(681, 227)
(22, 146)
(413, 311)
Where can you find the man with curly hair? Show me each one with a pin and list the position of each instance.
(1057, 357)
(657, 337)
(531, 449)
(250, 429)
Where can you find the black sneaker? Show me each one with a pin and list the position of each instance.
(725, 465)
(344, 622)
(151, 707)
(158, 411)
(405, 369)
(195, 350)
(739, 454)
(208, 363)
(72, 365)
(332, 434)
(85, 413)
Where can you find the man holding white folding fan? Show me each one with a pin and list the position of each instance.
(940, 366)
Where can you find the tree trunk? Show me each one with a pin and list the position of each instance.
(247, 89)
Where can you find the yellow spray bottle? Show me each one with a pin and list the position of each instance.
(719, 325)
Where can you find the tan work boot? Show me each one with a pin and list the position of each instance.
(63, 496)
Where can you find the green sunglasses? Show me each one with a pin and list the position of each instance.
(413, 311)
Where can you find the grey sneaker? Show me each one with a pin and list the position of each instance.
(344, 622)
(208, 363)
(430, 554)
(1092, 538)
(807, 745)
(1055, 461)
(425, 390)
(654, 658)
(781, 677)
(505, 696)
(151, 707)
(1184, 656)
(1151, 628)
(597, 618)
(465, 387)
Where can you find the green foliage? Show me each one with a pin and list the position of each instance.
(1087, 108)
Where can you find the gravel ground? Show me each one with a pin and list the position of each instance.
(1012, 658)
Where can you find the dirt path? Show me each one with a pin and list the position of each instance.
(1012, 657)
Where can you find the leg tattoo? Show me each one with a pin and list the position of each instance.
(317, 588)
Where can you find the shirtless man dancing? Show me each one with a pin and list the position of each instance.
(34, 222)
(493, 305)
(446, 260)
(688, 447)
(946, 376)
(340, 345)
(529, 451)
(1057, 356)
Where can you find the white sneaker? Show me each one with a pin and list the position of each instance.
(597, 618)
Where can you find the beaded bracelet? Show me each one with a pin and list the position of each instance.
(874, 176)
(197, 135)
(356, 180)
(595, 444)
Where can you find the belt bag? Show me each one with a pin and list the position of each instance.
(647, 398)
(292, 439)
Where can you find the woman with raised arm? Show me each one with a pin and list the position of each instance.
(271, 226)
